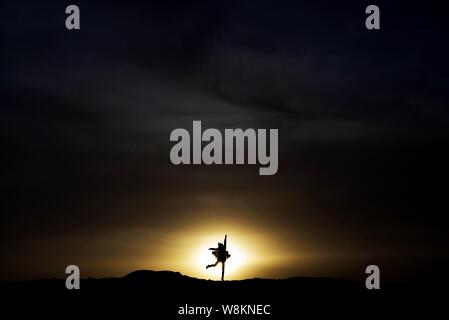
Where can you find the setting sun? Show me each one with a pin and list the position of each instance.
(253, 254)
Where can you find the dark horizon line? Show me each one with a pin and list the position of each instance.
(146, 272)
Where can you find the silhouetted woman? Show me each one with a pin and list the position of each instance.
(221, 254)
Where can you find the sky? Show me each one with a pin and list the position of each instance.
(86, 115)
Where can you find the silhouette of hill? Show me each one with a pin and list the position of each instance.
(140, 281)
(162, 293)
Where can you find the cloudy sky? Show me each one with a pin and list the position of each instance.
(85, 119)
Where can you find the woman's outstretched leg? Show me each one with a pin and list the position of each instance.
(212, 265)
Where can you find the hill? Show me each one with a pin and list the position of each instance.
(171, 295)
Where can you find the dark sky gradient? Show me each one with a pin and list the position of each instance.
(85, 118)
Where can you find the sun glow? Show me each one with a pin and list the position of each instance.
(247, 250)
(253, 254)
